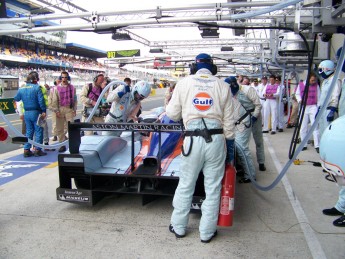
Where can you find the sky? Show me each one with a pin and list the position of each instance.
(104, 42)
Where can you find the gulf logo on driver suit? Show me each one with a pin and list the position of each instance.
(202, 101)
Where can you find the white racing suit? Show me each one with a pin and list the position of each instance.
(250, 104)
(333, 102)
(195, 97)
(122, 109)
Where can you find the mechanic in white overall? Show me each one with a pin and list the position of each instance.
(332, 152)
(326, 70)
(126, 104)
(341, 105)
(205, 104)
(249, 112)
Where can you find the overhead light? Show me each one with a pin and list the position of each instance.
(226, 49)
(156, 51)
(209, 33)
(209, 30)
(120, 36)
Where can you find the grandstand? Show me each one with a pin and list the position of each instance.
(45, 52)
(48, 52)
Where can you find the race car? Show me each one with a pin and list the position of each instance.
(144, 161)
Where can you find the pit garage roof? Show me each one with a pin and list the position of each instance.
(80, 50)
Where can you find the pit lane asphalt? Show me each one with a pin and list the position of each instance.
(33, 224)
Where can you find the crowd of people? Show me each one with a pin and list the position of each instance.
(43, 58)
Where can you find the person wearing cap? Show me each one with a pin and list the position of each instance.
(271, 94)
(249, 113)
(205, 104)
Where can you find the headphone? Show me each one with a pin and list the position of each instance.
(96, 77)
(66, 73)
(32, 77)
(194, 68)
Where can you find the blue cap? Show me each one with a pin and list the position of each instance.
(230, 79)
(203, 60)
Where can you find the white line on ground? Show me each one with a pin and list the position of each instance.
(309, 234)
(25, 161)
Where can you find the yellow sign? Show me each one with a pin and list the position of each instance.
(123, 53)
(7, 106)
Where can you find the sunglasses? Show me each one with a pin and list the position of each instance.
(64, 77)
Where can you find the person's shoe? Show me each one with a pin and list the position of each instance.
(317, 150)
(273, 132)
(265, 131)
(340, 222)
(305, 148)
(62, 149)
(280, 130)
(39, 153)
(171, 229)
(48, 149)
(262, 167)
(332, 212)
(54, 138)
(28, 153)
(210, 239)
(289, 126)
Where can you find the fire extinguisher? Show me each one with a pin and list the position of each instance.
(227, 198)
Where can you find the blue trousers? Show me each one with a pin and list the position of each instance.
(32, 129)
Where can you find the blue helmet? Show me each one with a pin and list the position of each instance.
(204, 60)
(230, 79)
(326, 68)
(332, 150)
(338, 56)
